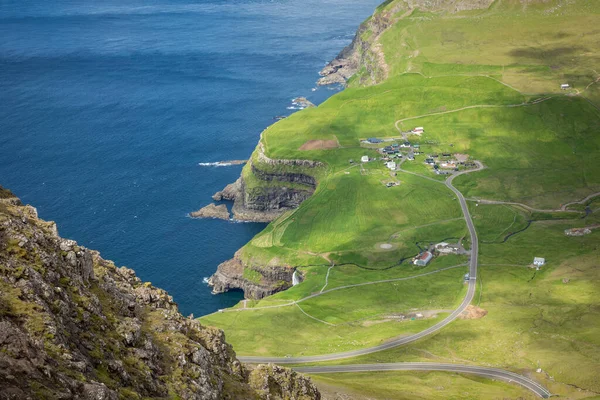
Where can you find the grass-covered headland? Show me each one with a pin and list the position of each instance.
(484, 80)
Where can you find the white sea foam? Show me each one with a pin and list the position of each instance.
(215, 164)
(205, 280)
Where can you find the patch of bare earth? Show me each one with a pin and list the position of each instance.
(319, 145)
(473, 312)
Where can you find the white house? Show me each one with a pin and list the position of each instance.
(391, 165)
(364, 159)
(418, 129)
(565, 86)
(539, 261)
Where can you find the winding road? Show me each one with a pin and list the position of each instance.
(399, 341)
(485, 372)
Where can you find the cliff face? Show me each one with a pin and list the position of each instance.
(276, 187)
(74, 326)
(256, 282)
(364, 54)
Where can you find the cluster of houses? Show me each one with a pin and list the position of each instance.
(444, 165)
(578, 231)
(447, 248)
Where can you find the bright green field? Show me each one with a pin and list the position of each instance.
(534, 319)
(344, 319)
(417, 385)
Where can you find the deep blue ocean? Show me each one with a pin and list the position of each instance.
(108, 106)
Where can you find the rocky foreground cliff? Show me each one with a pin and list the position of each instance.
(74, 326)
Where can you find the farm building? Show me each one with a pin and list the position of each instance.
(374, 140)
(418, 130)
(364, 159)
(565, 86)
(447, 248)
(423, 259)
(391, 165)
(539, 261)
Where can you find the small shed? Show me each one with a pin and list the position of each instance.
(565, 86)
(539, 261)
(364, 159)
(418, 129)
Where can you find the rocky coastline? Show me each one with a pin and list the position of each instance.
(268, 202)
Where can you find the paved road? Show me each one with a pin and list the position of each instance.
(399, 341)
(493, 373)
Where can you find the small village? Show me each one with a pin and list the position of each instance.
(394, 151)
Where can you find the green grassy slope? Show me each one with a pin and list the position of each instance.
(486, 83)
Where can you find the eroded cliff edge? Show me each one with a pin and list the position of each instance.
(74, 326)
(269, 187)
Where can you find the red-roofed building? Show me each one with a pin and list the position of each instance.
(423, 259)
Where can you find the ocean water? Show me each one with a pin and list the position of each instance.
(107, 107)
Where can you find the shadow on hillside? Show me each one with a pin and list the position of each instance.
(545, 54)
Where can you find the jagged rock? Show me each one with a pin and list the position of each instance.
(97, 391)
(73, 326)
(303, 102)
(212, 211)
(230, 192)
(272, 381)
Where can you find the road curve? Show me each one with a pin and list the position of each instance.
(399, 341)
(486, 372)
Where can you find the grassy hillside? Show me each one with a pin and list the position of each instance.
(484, 82)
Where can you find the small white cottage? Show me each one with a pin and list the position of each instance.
(539, 261)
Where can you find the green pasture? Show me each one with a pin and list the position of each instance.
(544, 319)
(417, 385)
(352, 213)
(532, 47)
(340, 320)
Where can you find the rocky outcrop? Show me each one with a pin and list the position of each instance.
(256, 282)
(74, 326)
(231, 191)
(212, 211)
(302, 102)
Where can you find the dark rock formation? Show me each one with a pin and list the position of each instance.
(212, 211)
(284, 177)
(74, 326)
(256, 282)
